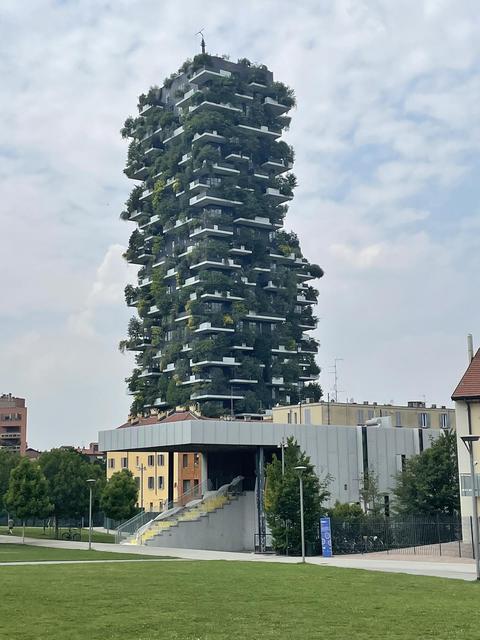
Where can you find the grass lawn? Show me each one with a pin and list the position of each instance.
(37, 532)
(25, 553)
(231, 600)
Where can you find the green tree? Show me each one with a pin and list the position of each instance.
(27, 494)
(67, 472)
(370, 496)
(282, 502)
(119, 496)
(428, 485)
(8, 461)
(346, 512)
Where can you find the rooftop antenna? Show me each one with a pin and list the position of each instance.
(335, 373)
(200, 33)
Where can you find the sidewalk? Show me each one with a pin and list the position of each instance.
(461, 569)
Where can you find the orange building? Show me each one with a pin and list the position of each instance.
(13, 423)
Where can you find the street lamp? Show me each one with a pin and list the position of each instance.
(468, 442)
(283, 445)
(141, 468)
(90, 482)
(300, 470)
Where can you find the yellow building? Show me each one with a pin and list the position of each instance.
(150, 470)
(414, 414)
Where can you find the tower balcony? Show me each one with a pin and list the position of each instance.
(10, 435)
(191, 282)
(226, 361)
(277, 196)
(203, 75)
(135, 215)
(308, 325)
(145, 282)
(153, 220)
(177, 132)
(196, 379)
(243, 381)
(188, 250)
(197, 185)
(159, 402)
(148, 108)
(139, 173)
(277, 166)
(171, 273)
(218, 169)
(258, 87)
(258, 222)
(169, 368)
(154, 311)
(139, 344)
(277, 381)
(242, 347)
(247, 283)
(280, 257)
(207, 327)
(215, 396)
(183, 102)
(147, 193)
(240, 251)
(261, 176)
(221, 297)
(185, 158)
(216, 106)
(261, 131)
(204, 199)
(276, 107)
(282, 349)
(142, 257)
(226, 263)
(209, 136)
(211, 230)
(244, 97)
(237, 157)
(150, 373)
(150, 134)
(178, 225)
(184, 318)
(261, 318)
(270, 286)
(304, 300)
(310, 376)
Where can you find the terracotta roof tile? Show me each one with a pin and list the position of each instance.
(469, 385)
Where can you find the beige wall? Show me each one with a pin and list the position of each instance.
(352, 414)
(154, 497)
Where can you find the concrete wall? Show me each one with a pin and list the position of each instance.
(231, 528)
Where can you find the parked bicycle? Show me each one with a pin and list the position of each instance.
(71, 534)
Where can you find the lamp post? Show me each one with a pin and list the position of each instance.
(90, 482)
(300, 470)
(141, 467)
(468, 442)
(283, 445)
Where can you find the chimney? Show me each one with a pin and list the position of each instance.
(470, 347)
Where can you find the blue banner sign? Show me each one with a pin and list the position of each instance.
(326, 537)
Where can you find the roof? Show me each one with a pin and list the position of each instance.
(469, 386)
(176, 416)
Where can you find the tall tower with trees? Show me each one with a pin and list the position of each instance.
(224, 295)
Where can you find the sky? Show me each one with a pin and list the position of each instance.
(387, 139)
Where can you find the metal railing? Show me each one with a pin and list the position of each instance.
(130, 527)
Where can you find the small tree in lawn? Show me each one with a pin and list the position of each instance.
(282, 500)
(370, 496)
(119, 496)
(27, 494)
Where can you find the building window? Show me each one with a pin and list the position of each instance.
(423, 420)
(161, 482)
(137, 461)
(124, 463)
(398, 418)
(196, 459)
(195, 487)
(371, 414)
(443, 418)
(294, 417)
(111, 463)
(151, 461)
(151, 506)
(185, 460)
(186, 486)
(151, 482)
(160, 460)
(289, 417)
(360, 419)
(308, 416)
(137, 480)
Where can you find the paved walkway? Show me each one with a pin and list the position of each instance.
(459, 568)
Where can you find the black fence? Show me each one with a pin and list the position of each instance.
(415, 535)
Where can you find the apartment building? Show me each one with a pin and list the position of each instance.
(13, 423)
(414, 414)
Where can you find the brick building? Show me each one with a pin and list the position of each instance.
(13, 423)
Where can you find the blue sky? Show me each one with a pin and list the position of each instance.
(387, 140)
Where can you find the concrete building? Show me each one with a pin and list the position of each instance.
(13, 423)
(467, 409)
(233, 449)
(414, 415)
